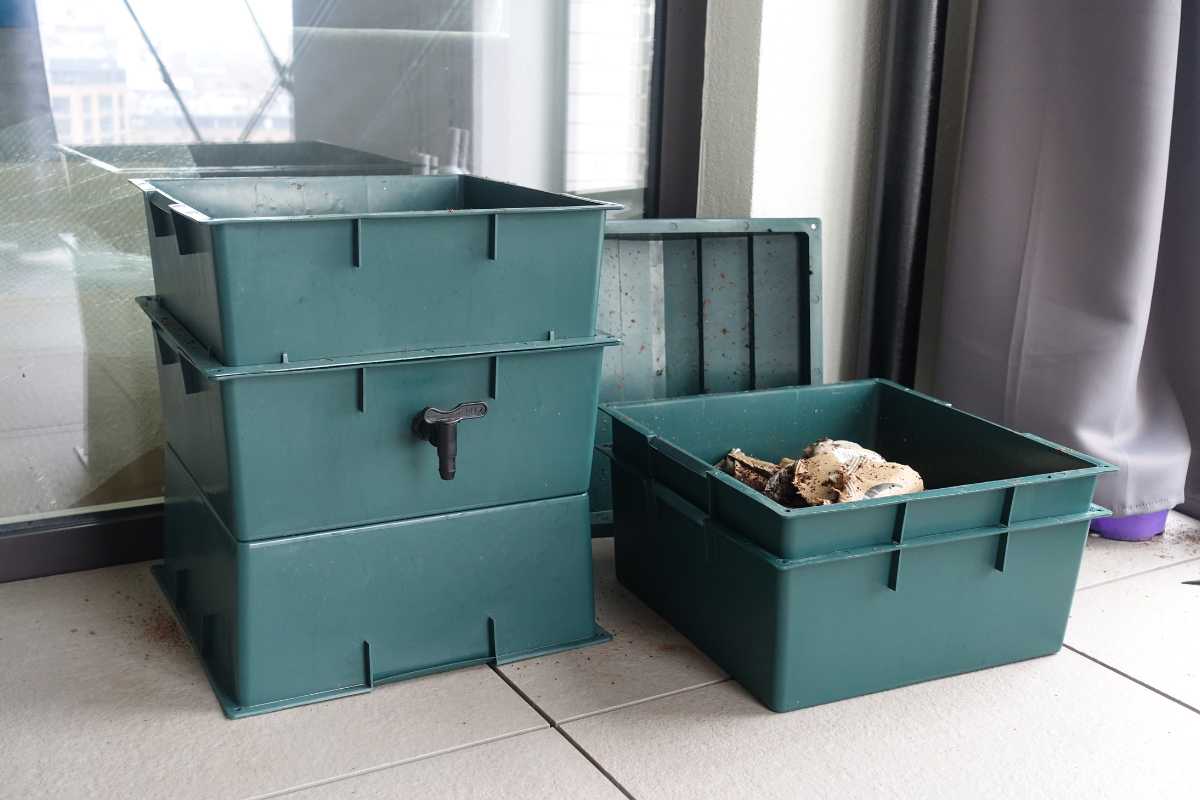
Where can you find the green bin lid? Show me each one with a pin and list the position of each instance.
(705, 305)
(710, 305)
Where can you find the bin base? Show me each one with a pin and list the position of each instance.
(235, 711)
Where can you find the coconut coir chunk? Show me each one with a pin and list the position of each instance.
(754, 472)
(830, 471)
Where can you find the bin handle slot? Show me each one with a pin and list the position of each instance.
(178, 219)
(162, 222)
(166, 353)
(666, 496)
(193, 379)
(686, 461)
(189, 234)
(440, 429)
(680, 457)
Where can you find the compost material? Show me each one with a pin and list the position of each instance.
(829, 471)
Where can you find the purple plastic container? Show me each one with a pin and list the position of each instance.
(1137, 528)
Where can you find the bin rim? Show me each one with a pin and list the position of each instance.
(674, 499)
(79, 151)
(158, 196)
(786, 564)
(684, 228)
(1096, 466)
(174, 335)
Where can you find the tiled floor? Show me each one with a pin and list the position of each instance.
(100, 697)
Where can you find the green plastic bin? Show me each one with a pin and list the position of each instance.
(977, 474)
(268, 269)
(309, 618)
(850, 619)
(282, 449)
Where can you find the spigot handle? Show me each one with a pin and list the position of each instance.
(440, 429)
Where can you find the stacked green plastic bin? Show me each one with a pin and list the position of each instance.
(809, 605)
(380, 397)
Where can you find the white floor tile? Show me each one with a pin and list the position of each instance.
(1106, 560)
(1053, 727)
(1147, 626)
(646, 658)
(539, 764)
(101, 697)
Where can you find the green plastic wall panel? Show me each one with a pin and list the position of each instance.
(797, 633)
(263, 269)
(706, 305)
(293, 448)
(976, 473)
(308, 618)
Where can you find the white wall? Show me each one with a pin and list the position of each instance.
(805, 140)
(728, 108)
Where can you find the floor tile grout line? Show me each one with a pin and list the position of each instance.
(1173, 564)
(1129, 677)
(595, 763)
(521, 693)
(631, 703)
(404, 762)
(555, 727)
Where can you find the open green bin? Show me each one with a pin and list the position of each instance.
(976, 473)
(809, 605)
(266, 269)
(282, 449)
(306, 618)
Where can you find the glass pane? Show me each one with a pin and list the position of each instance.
(548, 93)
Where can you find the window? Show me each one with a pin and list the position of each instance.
(608, 94)
(60, 108)
(548, 93)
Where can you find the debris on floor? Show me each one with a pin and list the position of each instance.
(829, 471)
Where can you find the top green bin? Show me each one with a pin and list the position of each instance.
(274, 269)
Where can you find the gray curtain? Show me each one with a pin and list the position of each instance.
(1071, 304)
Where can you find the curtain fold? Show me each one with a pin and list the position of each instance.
(1071, 293)
(904, 162)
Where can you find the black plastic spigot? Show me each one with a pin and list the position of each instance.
(440, 429)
